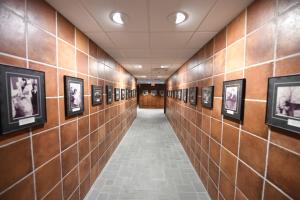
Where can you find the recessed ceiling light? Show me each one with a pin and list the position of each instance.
(177, 17)
(138, 66)
(143, 76)
(118, 17)
(163, 66)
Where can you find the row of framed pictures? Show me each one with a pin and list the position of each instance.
(23, 99)
(283, 100)
(154, 93)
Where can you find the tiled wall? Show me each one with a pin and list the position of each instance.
(62, 159)
(242, 160)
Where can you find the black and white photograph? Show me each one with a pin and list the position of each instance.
(233, 99)
(109, 94)
(127, 94)
(74, 97)
(25, 103)
(193, 94)
(145, 92)
(117, 94)
(154, 92)
(283, 107)
(179, 94)
(122, 94)
(161, 93)
(207, 96)
(185, 95)
(97, 95)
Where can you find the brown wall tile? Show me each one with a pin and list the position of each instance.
(219, 62)
(228, 164)
(226, 187)
(82, 42)
(282, 170)
(56, 193)
(286, 139)
(66, 56)
(19, 152)
(82, 62)
(260, 45)
(12, 23)
(259, 12)
(255, 75)
(288, 33)
(236, 28)
(41, 14)
(65, 29)
(69, 159)
(230, 138)
(220, 41)
(45, 146)
(235, 56)
(249, 182)
(47, 177)
(255, 157)
(18, 6)
(70, 183)
(68, 134)
(287, 66)
(272, 193)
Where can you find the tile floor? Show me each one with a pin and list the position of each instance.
(149, 164)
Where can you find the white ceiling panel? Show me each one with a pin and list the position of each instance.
(222, 13)
(132, 40)
(148, 38)
(101, 39)
(76, 14)
(136, 10)
(160, 10)
(199, 39)
(167, 40)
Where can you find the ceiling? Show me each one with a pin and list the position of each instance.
(148, 38)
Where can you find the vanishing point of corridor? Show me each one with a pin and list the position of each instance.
(150, 164)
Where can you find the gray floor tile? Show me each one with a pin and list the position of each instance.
(149, 164)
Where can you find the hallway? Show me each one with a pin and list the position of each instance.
(149, 163)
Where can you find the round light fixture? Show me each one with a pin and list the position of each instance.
(177, 17)
(138, 66)
(163, 66)
(118, 17)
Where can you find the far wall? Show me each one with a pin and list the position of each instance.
(149, 100)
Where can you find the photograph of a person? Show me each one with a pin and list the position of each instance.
(233, 99)
(97, 95)
(24, 97)
(208, 96)
(288, 101)
(74, 97)
(283, 103)
(117, 94)
(25, 103)
(231, 95)
(122, 94)
(193, 95)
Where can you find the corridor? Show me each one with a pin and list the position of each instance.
(149, 163)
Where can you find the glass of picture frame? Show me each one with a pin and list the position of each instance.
(185, 95)
(179, 94)
(233, 99)
(162, 93)
(24, 104)
(109, 94)
(283, 103)
(207, 96)
(154, 92)
(145, 92)
(97, 95)
(122, 94)
(74, 96)
(117, 94)
(193, 94)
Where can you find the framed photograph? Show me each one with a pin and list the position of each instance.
(122, 94)
(133, 93)
(185, 95)
(179, 94)
(161, 93)
(208, 96)
(127, 94)
(283, 103)
(74, 96)
(153, 92)
(145, 92)
(117, 94)
(233, 99)
(23, 98)
(109, 94)
(97, 95)
(193, 92)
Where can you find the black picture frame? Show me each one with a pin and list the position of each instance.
(109, 94)
(23, 102)
(185, 95)
(193, 94)
(233, 99)
(122, 94)
(97, 95)
(117, 94)
(283, 107)
(207, 96)
(74, 96)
